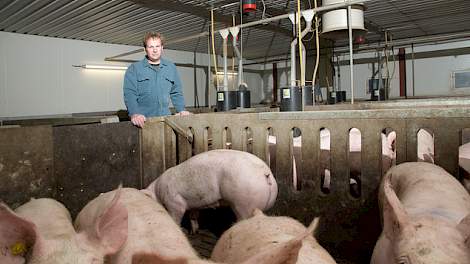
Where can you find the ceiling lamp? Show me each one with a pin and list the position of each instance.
(102, 67)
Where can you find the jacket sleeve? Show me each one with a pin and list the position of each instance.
(176, 92)
(130, 91)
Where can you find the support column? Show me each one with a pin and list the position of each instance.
(402, 64)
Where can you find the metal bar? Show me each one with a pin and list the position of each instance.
(254, 23)
(413, 67)
(402, 67)
(351, 63)
(179, 130)
(398, 43)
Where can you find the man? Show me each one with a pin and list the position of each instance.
(149, 84)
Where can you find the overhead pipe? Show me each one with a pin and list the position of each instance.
(413, 67)
(380, 86)
(308, 16)
(224, 34)
(234, 31)
(300, 48)
(293, 69)
(351, 64)
(254, 23)
(317, 59)
(214, 56)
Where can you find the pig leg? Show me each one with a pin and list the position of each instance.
(325, 181)
(176, 208)
(242, 211)
(193, 216)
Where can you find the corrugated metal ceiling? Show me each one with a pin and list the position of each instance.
(124, 22)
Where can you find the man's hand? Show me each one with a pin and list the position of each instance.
(183, 113)
(138, 120)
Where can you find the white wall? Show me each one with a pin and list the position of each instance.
(37, 77)
(432, 76)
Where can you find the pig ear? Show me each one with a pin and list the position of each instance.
(282, 253)
(313, 226)
(394, 215)
(464, 228)
(17, 235)
(149, 193)
(152, 258)
(111, 227)
(391, 139)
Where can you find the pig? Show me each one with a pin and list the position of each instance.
(41, 232)
(425, 142)
(238, 178)
(426, 153)
(464, 163)
(261, 233)
(355, 141)
(154, 237)
(426, 217)
(151, 229)
(388, 154)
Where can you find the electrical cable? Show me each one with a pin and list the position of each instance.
(213, 49)
(317, 40)
(299, 42)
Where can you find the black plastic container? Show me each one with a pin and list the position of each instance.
(291, 99)
(374, 96)
(341, 96)
(332, 97)
(308, 95)
(226, 100)
(243, 99)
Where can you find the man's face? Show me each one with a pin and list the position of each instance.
(154, 49)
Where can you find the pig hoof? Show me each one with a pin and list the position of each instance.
(194, 227)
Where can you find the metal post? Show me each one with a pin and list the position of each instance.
(209, 73)
(413, 67)
(380, 85)
(351, 64)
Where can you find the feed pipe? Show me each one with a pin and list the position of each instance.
(234, 31)
(224, 34)
(308, 16)
(254, 23)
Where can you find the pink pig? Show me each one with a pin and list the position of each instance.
(151, 229)
(154, 237)
(262, 233)
(239, 178)
(426, 217)
(41, 232)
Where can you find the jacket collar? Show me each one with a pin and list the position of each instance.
(163, 62)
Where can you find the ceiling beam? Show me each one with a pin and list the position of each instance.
(203, 12)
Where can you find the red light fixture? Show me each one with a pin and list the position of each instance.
(248, 6)
(361, 39)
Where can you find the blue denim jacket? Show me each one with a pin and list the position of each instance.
(147, 90)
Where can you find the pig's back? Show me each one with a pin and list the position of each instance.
(426, 188)
(258, 233)
(203, 178)
(150, 228)
(41, 211)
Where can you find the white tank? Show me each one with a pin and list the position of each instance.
(335, 22)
